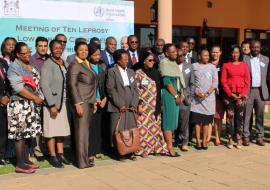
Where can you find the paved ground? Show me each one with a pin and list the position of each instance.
(218, 168)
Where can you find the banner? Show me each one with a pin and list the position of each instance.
(27, 19)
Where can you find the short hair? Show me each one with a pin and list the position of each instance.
(239, 48)
(81, 43)
(3, 45)
(160, 40)
(94, 39)
(189, 38)
(255, 41)
(58, 35)
(131, 36)
(117, 55)
(216, 46)
(52, 44)
(245, 42)
(77, 40)
(110, 38)
(18, 47)
(41, 39)
(167, 47)
(181, 43)
(202, 50)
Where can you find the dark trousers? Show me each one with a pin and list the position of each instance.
(235, 117)
(3, 131)
(182, 132)
(255, 102)
(95, 133)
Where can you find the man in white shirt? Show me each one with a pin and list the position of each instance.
(258, 66)
(133, 44)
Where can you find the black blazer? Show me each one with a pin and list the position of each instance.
(4, 84)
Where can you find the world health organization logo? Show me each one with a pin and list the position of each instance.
(11, 7)
(99, 11)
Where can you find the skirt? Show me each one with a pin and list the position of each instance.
(201, 119)
(58, 127)
(24, 120)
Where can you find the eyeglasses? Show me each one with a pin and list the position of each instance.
(134, 42)
(151, 60)
(62, 41)
(26, 53)
(191, 43)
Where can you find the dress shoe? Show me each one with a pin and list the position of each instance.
(260, 142)
(25, 171)
(245, 142)
(63, 159)
(55, 162)
(185, 148)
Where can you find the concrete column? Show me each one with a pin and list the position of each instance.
(165, 20)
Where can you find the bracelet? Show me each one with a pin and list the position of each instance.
(176, 96)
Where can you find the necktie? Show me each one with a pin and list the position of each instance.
(134, 60)
(111, 63)
(1, 74)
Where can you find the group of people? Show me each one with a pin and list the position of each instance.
(166, 91)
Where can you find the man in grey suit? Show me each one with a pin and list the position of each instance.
(258, 66)
(182, 133)
(122, 93)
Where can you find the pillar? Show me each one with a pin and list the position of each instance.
(165, 20)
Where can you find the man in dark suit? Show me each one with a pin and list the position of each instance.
(133, 53)
(192, 53)
(107, 54)
(182, 133)
(258, 67)
(4, 99)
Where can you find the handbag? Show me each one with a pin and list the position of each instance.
(127, 141)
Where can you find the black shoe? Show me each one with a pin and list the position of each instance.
(63, 159)
(204, 147)
(55, 162)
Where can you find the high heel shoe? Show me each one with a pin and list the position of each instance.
(63, 159)
(55, 162)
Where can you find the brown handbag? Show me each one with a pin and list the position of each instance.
(127, 141)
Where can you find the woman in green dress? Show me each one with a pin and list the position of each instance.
(172, 96)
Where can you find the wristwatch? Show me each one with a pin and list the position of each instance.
(176, 96)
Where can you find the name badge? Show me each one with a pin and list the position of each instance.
(145, 82)
(131, 79)
(262, 64)
(187, 71)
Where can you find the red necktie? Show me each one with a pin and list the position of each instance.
(1, 74)
(134, 60)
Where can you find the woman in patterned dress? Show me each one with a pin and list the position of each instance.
(24, 121)
(149, 120)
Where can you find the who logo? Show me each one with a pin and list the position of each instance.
(11, 7)
(99, 11)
